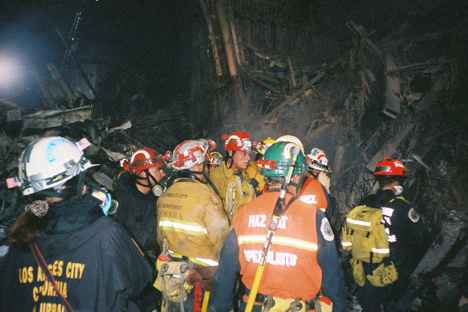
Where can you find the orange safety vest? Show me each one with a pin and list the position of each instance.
(291, 269)
(313, 190)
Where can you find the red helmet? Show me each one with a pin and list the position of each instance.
(238, 141)
(190, 153)
(145, 158)
(390, 167)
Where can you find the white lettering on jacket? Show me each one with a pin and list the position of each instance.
(308, 199)
(260, 221)
(273, 258)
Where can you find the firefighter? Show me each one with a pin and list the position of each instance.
(137, 191)
(406, 235)
(319, 182)
(231, 179)
(68, 254)
(318, 164)
(302, 260)
(192, 223)
(252, 170)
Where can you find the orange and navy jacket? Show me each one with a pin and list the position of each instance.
(317, 194)
(302, 258)
(293, 250)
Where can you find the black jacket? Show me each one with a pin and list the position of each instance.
(136, 212)
(406, 232)
(94, 262)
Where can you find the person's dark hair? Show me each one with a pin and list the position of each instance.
(271, 180)
(26, 229)
(32, 223)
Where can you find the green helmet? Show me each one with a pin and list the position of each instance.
(278, 159)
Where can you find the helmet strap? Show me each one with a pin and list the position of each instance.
(301, 181)
(229, 165)
(313, 174)
(148, 179)
(208, 181)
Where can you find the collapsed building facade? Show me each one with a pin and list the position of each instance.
(270, 68)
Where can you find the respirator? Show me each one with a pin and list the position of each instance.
(398, 189)
(159, 187)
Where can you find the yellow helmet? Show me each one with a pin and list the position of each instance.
(262, 146)
(215, 158)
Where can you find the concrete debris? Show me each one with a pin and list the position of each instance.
(56, 118)
(391, 95)
(449, 235)
(392, 92)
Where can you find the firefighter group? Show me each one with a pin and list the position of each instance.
(246, 226)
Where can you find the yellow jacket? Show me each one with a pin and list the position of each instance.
(253, 172)
(233, 192)
(191, 217)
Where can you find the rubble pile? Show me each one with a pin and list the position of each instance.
(397, 91)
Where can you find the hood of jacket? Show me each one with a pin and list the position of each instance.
(70, 224)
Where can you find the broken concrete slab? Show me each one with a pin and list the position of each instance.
(56, 118)
(392, 90)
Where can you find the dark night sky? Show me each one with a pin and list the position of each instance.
(151, 32)
(110, 31)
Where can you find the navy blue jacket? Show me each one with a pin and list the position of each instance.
(93, 260)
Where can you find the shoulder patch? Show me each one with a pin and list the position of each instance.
(326, 230)
(413, 215)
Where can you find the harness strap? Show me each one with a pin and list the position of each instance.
(268, 304)
(163, 270)
(51, 279)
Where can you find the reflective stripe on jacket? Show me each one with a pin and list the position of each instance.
(291, 269)
(192, 219)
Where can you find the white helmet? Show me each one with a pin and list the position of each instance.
(49, 163)
(319, 160)
(190, 153)
(291, 138)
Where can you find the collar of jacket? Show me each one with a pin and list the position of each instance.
(383, 197)
(186, 179)
(126, 183)
(72, 214)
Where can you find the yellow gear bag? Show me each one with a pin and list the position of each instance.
(364, 234)
(358, 272)
(383, 275)
(170, 276)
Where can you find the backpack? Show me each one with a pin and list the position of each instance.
(364, 234)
